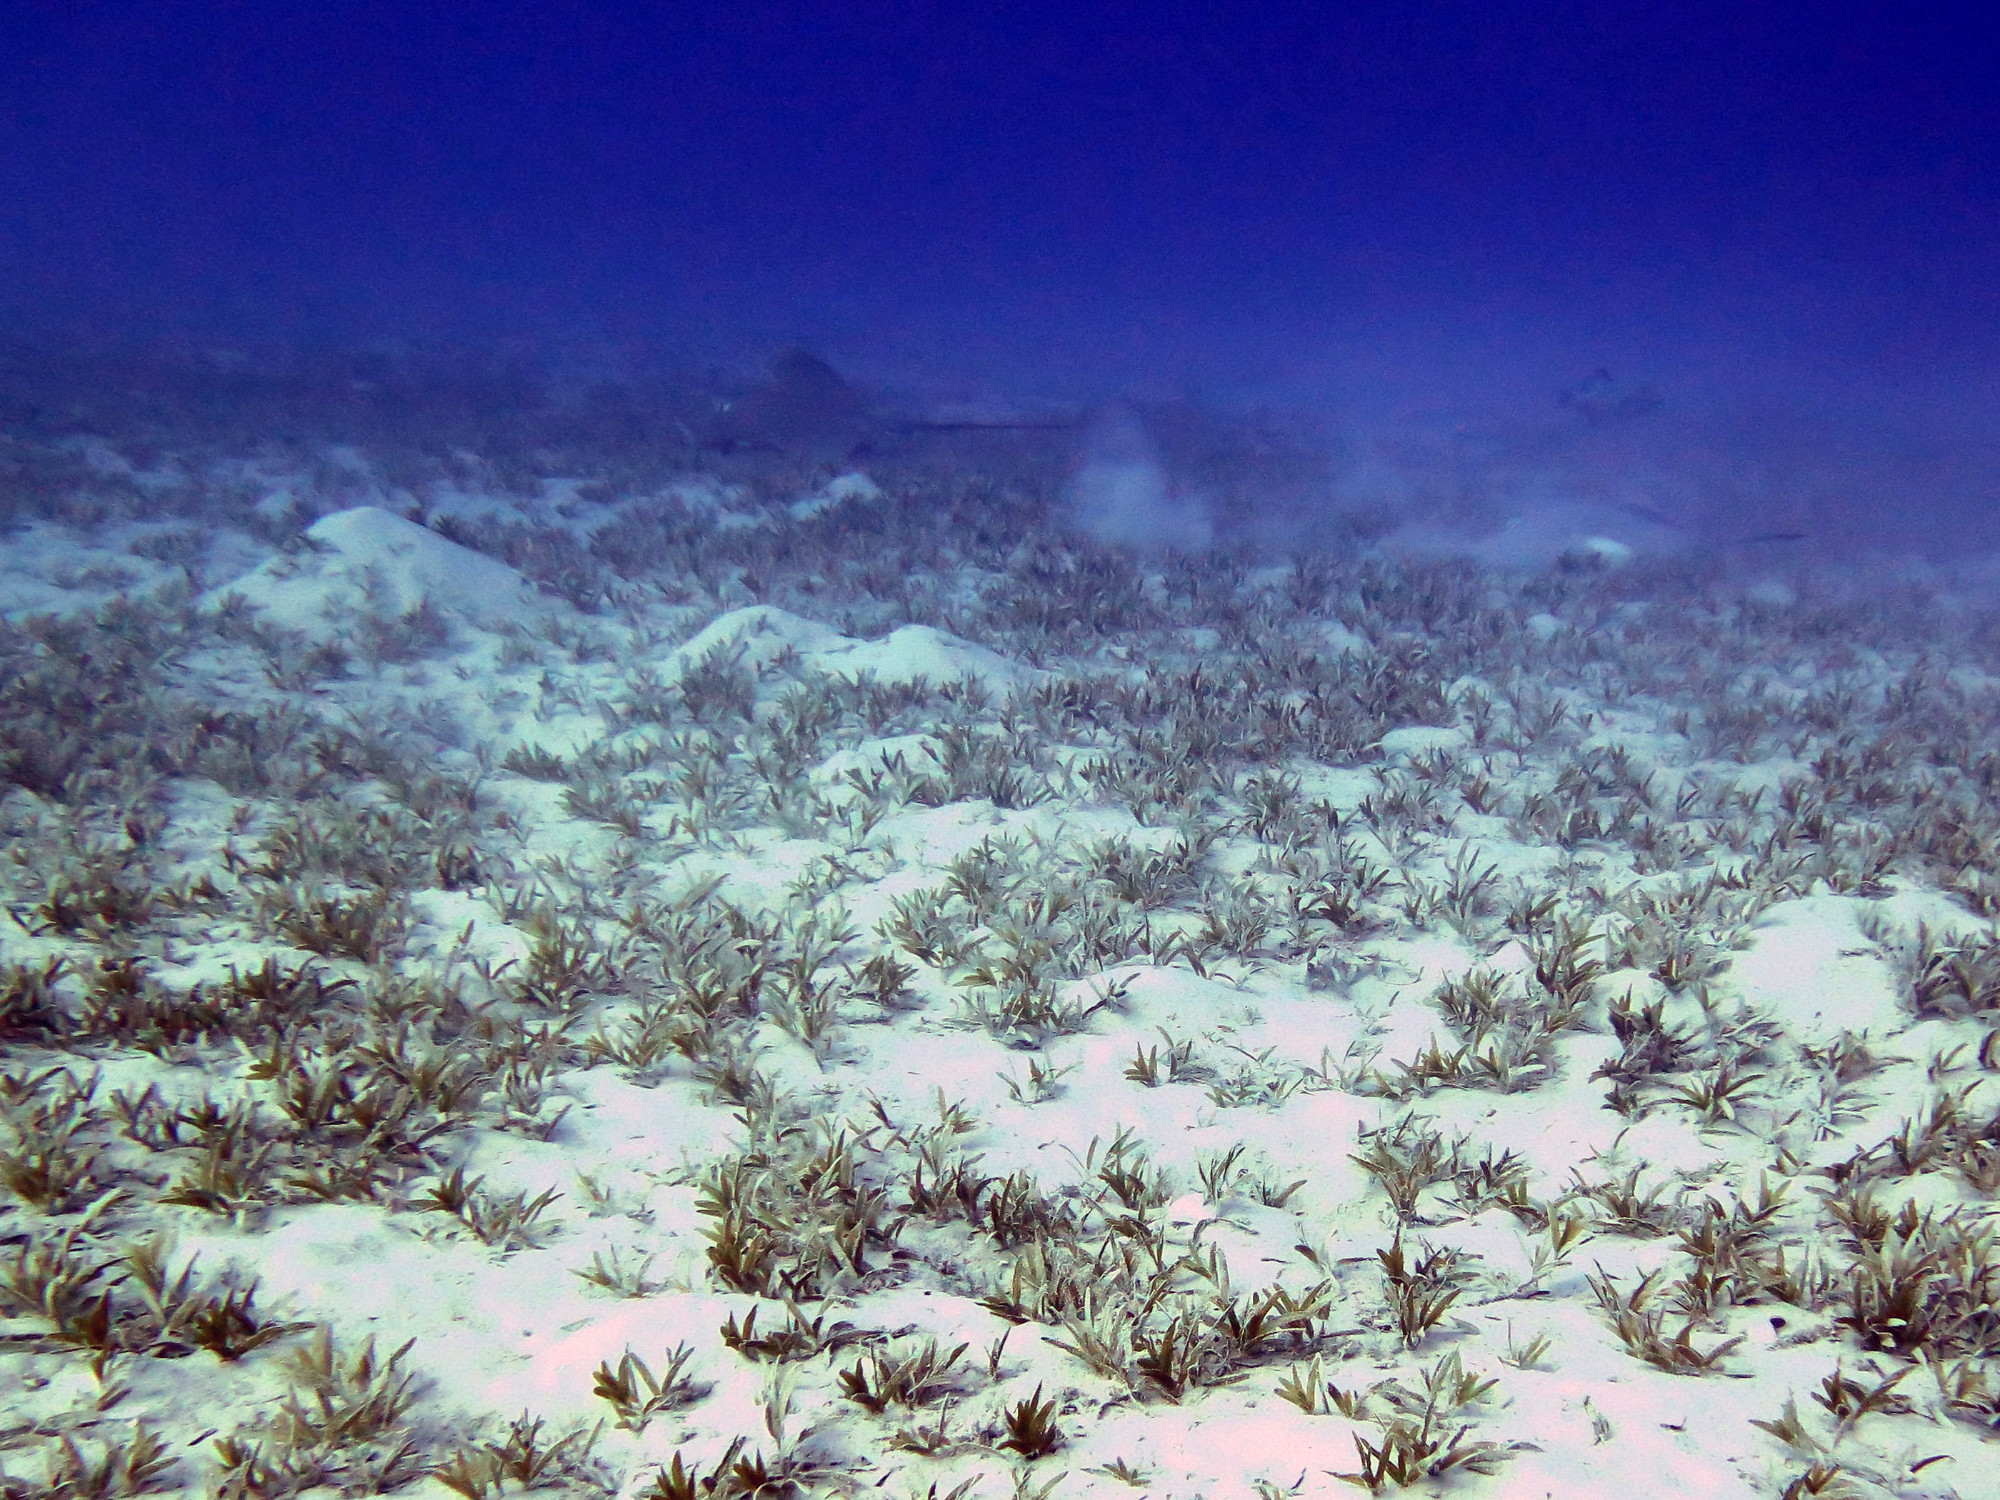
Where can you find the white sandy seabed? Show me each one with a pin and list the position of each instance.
(1286, 1058)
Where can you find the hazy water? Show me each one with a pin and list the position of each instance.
(1414, 237)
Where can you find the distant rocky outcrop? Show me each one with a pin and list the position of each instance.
(806, 410)
(1602, 399)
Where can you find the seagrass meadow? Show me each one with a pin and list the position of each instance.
(613, 969)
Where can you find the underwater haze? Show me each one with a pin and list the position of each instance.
(1411, 229)
(999, 752)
